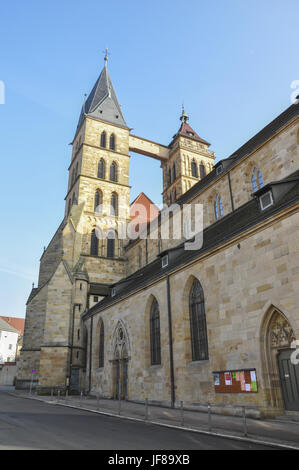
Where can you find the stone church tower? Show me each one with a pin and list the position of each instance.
(87, 254)
(79, 264)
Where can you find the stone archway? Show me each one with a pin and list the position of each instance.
(120, 362)
(277, 336)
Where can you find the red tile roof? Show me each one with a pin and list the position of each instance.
(17, 323)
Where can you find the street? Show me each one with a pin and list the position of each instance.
(31, 424)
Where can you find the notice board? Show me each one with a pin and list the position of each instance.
(235, 381)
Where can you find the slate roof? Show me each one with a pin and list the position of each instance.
(214, 235)
(102, 102)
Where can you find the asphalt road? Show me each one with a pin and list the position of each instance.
(30, 424)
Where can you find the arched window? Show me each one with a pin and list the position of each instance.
(74, 200)
(256, 180)
(202, 171)
(169, 176)
(101, 169)
(114, 204)
(199, 337)
(98, 200)
(113, 172)
(112, 142)
(94, 244)
(155, 333)
(218, 207)
(194, 171)
(102, 345)
(103, 139)
(111, 244)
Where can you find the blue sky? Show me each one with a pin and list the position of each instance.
(231, 62)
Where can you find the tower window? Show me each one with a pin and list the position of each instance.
(94, 245)
(111, 244)
(98, 200)
(194, 171)
(101, 169)
(202, 171)
(103, 139)
(114, 204)
(112, 142)
(113, 172)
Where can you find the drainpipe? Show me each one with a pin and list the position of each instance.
(90, 353)
(170, 345)
(230, 191)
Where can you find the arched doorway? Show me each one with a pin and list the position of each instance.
(120, 363)
(281, 377)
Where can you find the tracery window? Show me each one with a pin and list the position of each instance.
(218, 207)
(155, 340)
(199, 337)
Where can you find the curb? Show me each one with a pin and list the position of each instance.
(171, 426)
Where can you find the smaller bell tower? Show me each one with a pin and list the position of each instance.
(190, 160)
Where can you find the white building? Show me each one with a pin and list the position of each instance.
(8, 342)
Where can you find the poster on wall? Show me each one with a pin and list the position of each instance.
(235, 381)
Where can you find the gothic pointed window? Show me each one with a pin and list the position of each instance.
(194, 171)
(111, 244)
(94, 244)
(103, 139)
(98, 201)
(169, 176)
(218, 207)
(101, 169)
(102, 345)
(256, 180)
(202, 171)
(112, 142)
(113, 172)
(198, 327)
(114, 204)
(155, 340)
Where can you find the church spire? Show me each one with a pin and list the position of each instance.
(184, 117)
(102, 102)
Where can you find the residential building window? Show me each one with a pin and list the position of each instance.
(218, 207)
(199, 337)
(155, 340)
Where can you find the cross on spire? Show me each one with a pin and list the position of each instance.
(107, 53)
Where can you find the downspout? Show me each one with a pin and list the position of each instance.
(170, 345)
(230, 191)
(90, 353)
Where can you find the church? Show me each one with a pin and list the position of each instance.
(134, 314)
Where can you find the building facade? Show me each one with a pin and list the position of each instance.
(139, 315)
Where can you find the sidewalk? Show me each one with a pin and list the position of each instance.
(270, 431)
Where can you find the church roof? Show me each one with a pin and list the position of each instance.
(102, 102)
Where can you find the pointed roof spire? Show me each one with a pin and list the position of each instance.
(186, 130)
(184, 117)
(102, 102)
